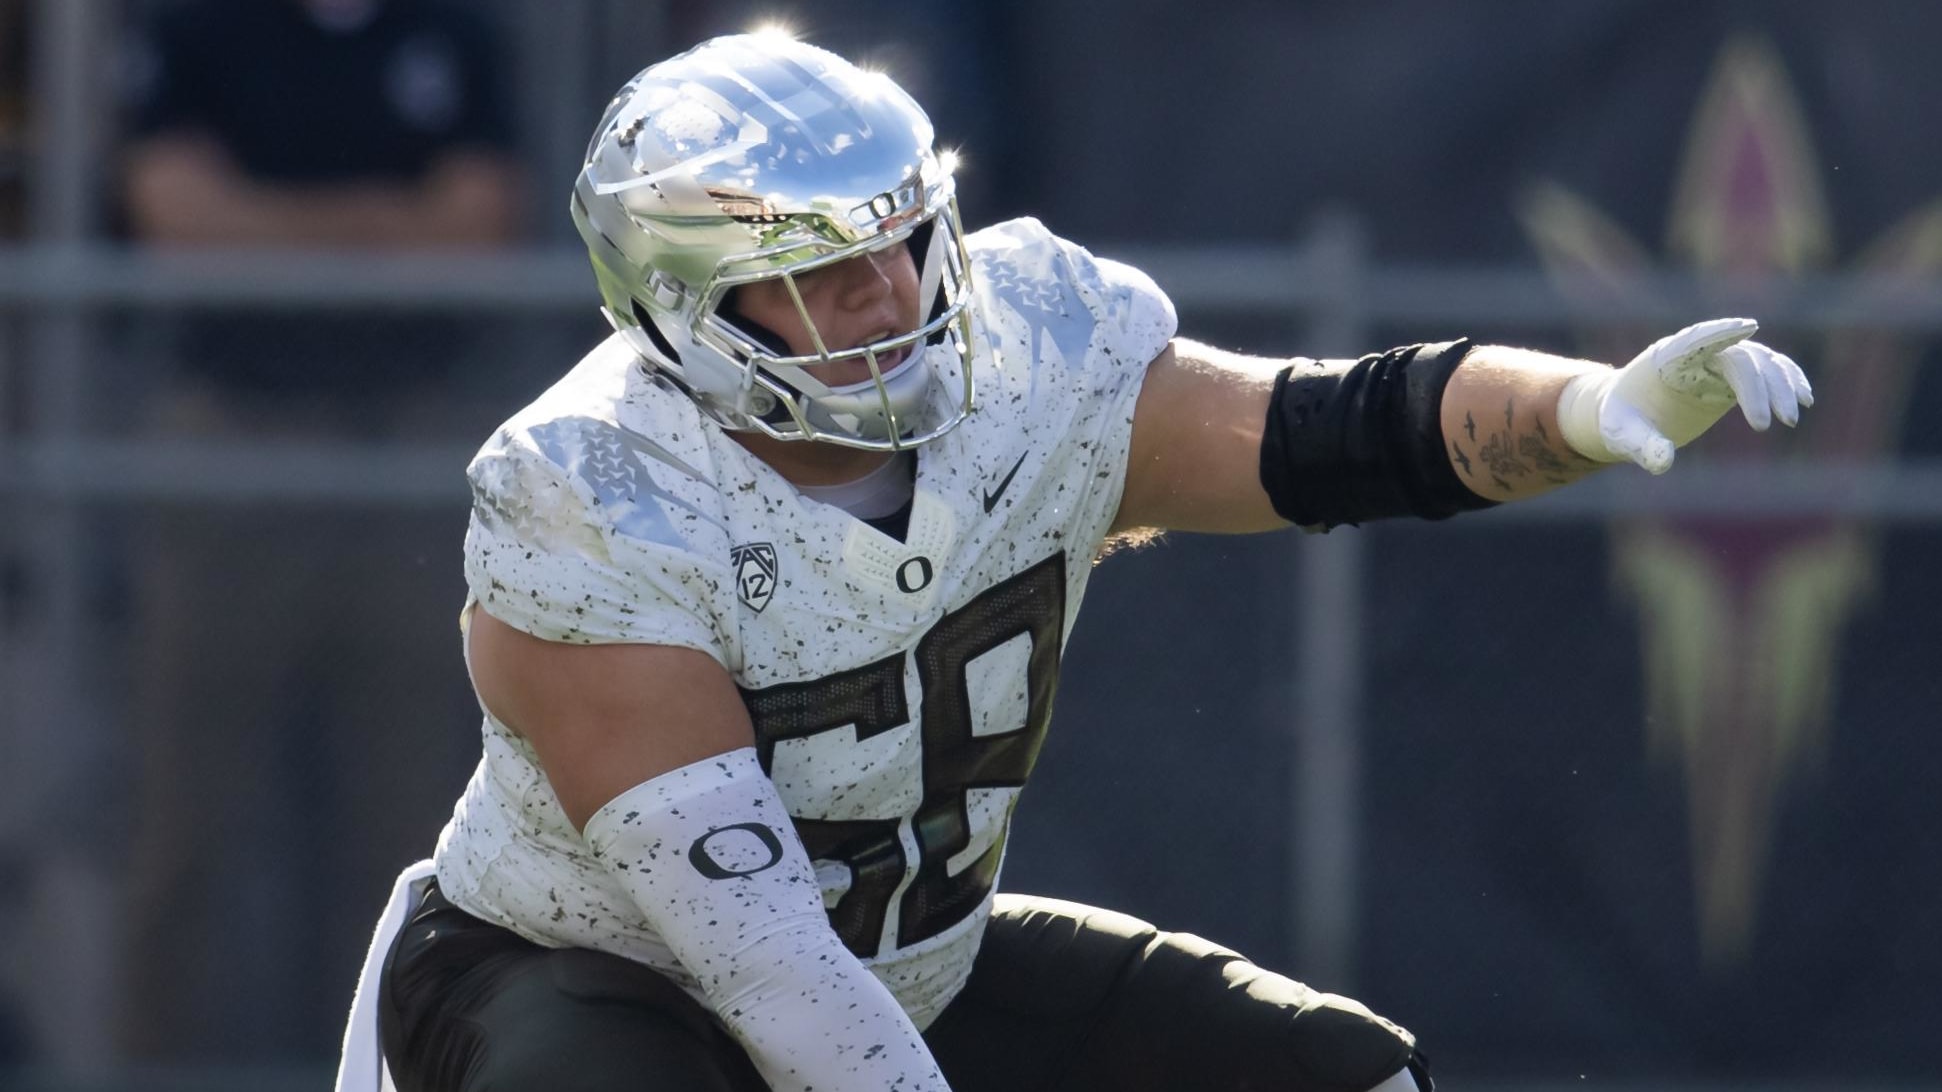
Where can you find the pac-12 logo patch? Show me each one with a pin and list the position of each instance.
(755, 571)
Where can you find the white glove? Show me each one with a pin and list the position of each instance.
(1676, 389)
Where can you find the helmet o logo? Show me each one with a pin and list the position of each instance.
(915, 575)
(883, 205)
(708, 865)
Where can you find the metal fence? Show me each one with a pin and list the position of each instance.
(54, 469)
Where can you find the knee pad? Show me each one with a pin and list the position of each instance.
(1280, 1033)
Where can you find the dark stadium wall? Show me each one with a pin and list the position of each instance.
(1548, 885)
(1558, 874)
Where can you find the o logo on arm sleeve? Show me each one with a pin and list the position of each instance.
(730, 857)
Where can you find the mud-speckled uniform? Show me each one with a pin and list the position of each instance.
(899, 690)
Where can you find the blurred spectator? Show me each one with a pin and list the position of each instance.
(13, 117)
(13, 199)
(336, 123)
(13, 142)
(319, 122)
(296, 667)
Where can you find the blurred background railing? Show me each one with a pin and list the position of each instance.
(55, 471)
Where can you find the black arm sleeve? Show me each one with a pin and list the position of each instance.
(1349, 442)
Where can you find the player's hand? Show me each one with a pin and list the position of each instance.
(1676, 389)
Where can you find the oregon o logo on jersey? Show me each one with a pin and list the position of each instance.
(915, 575)
(736, 857)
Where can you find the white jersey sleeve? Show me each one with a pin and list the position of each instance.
(1089, 326)
(572, 539)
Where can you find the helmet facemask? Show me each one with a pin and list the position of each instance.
(899, 405)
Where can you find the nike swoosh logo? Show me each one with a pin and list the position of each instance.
(991, 497)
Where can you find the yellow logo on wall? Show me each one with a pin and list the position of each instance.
(1741, 620)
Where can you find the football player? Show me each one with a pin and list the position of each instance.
(768, 598)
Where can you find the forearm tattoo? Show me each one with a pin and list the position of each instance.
(1518, 458)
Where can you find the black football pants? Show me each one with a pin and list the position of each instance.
(1062, 998)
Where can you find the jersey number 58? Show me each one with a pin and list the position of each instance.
(871, 700)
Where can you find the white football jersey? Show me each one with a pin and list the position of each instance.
(899, 690)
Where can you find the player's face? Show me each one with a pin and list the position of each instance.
(854, 302)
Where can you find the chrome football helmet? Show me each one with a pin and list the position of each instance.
(757, 157)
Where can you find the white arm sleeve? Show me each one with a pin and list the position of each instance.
(709, 854)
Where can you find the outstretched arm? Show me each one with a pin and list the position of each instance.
(1509, 423)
